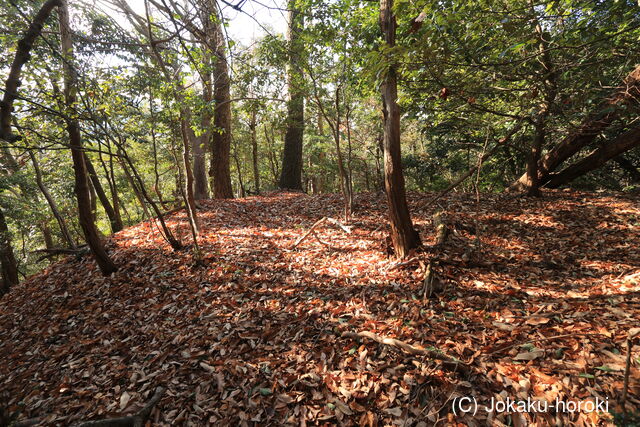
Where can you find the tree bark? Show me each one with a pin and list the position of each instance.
(220, 171)
(403, 236)
(8, 261)
(596, 158)
(75, 141)
(200, 186)
(254, 152)
(52, 203)
(291, 173)
(21, 57)
(549, 83)
(114, 216)
(608, 111)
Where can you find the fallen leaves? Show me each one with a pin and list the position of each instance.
(268, 334)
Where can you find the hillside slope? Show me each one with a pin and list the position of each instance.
(255, 336)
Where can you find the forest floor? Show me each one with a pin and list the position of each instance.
(538, 298)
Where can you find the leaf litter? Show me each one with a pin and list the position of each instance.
(538, 297)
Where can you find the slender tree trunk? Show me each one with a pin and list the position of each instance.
(596, 158)
(52, 203)
(190, 201)
(75, 141)
(114, 216)
(156, 174)
(254, 152)
(21, 57)
(46, 235)
(134, 187)
(8, 261)
(220, 170)
(273, 157)
(291, 174)
(403, 236)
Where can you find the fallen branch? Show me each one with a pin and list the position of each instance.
(52, 252)
(138, 419)
(304, 236)
(406, 347)
(335, 222)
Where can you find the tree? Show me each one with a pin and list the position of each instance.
(291, 173)
(75, 141)
(403, 236)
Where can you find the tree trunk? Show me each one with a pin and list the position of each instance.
(21, 57)
(8, 261)
(607, 111)
(403, 235)
(254, 152)
(596, 158)
(134, 187)
(200, 186)
(156, 174)
(114, 216)
(190, 201)
(291, 174)
(532, 184)
(273, 157)
(46, 235)
(220, 170)
(79, 167)
(52, 203)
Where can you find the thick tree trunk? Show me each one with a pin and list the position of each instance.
(403, 235)
(596, 158)
(52, 203)
(7, 259)
(114, 216)
(220, 171)
(532, 185)
(607, 111)
(291, 174)
(21, 57)
(79, 167)
(254, 152)
(200, 186)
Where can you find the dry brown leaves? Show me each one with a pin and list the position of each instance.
(538, 300)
